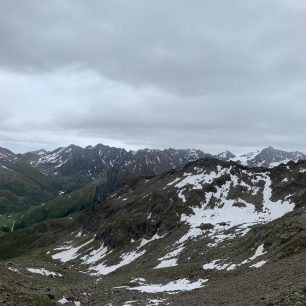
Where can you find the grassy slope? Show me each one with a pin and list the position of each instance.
(59, 207)
(6, 224)
(24, 186)
(32, 238)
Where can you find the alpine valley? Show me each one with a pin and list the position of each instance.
(106, 226)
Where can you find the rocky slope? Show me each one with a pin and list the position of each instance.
(173, 239)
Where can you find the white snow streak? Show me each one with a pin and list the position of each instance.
(103, 269)
(259, 264)
(175, 286)
(44, 272)
(70, 252)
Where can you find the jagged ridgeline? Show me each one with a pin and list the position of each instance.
(84, 165)
(175, 238)
(91, 163)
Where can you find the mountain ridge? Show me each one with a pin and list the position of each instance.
(122, 167)
(267, 157)
(84, 165)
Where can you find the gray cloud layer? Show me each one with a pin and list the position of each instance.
(206, 74)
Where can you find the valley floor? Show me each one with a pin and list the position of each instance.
(279, 283)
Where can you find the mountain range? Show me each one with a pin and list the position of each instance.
(212, 232)
(36, 184)
(83, 165)
(106, 226)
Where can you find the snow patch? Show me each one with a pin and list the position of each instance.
(181, 196)
(196, 180)
(214, 266)
(95, 255)
(70, 252)
(244, 159)
(259, 264)
(167, 263)
(155, 302)
(63, 301)
(226, 212)
(144, 241)
(175, 286)
(259, 251)
(103, 269)
(138, 280)
(14, 270)
(44, 272)
(79, 234)
(169, 259)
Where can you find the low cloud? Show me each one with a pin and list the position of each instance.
(212, 75)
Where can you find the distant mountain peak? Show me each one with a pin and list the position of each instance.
(268, 157)
(226, 155)
(270, 149)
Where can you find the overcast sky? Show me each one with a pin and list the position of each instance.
(212, 75)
